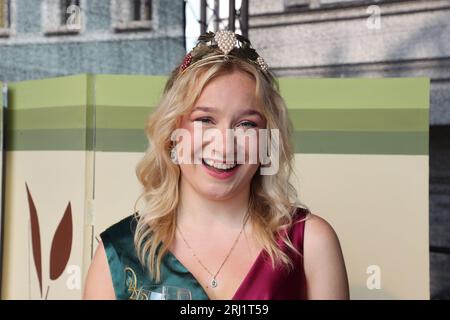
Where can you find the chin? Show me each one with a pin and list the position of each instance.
(218, 193)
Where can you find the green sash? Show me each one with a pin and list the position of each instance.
(128, 274)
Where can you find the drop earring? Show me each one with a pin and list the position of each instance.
(173, 155)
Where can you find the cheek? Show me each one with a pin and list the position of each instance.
(195, 141)
(249, 149)
(188, 149)
(188, 171)
(247, 171)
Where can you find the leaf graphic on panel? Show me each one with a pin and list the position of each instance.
(35, 238)
(61, 245)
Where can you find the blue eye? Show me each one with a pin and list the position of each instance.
(245, 124)
(204, 120)
(248, 124)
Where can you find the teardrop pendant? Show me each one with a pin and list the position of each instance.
(214, 283)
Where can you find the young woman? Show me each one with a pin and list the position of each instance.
(222, 229)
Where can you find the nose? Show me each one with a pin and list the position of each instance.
(221, 142)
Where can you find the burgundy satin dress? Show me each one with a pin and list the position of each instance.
(261, 283)
(264, 283)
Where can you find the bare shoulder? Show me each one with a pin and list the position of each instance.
(323, 261)
(319, 234)
(98, 285)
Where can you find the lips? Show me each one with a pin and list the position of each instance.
(220, 165)
(219, 173)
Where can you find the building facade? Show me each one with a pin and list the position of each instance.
(41, 39)
(359, 38)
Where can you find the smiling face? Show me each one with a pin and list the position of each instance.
(227, 102)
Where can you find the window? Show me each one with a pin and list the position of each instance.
(4, 14)
(61, 16)
(326, 2)
(132, 14)
(68, 7)
(296, 3)
(141, 10)
(315, 4)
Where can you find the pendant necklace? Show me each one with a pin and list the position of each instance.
(214, 282)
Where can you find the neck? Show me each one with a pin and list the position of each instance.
(196, 211)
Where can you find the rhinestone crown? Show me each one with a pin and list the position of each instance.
(229, 43)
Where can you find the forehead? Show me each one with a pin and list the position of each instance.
(235, 76)
(236, 89)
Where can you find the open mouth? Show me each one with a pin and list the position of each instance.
(219, 167)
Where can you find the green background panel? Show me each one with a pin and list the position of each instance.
(109, 112)
(63, 117)
(338, 142)
(303, 119)
(134, 140)
(53, 92)
(356, 93)
(122, 117)
(128, 90)
(360, 119)
(48, 139)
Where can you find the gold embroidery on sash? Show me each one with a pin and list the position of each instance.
(131, 283)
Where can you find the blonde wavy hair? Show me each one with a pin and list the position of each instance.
(272, 197)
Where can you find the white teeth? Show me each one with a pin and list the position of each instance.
(221, 166)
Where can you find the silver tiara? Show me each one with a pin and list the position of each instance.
(229, 43)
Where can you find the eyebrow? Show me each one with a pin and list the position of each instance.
(247, 112)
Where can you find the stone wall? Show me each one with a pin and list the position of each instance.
(334, 41)
(28, 52)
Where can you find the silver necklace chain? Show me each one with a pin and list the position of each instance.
(214, 282)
